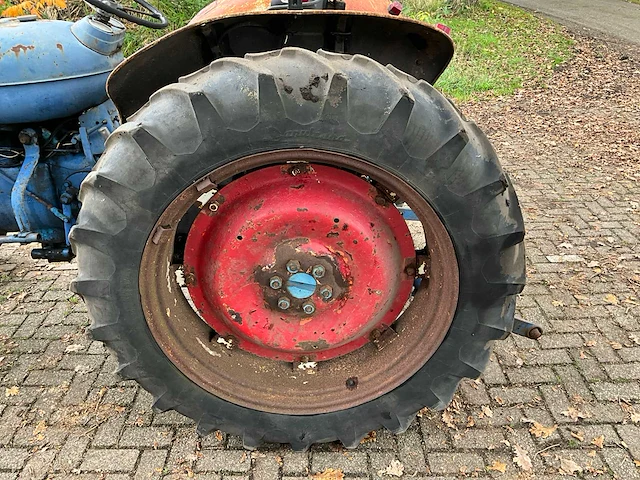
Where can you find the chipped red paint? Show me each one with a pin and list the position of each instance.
(318, 215)
(221, 8)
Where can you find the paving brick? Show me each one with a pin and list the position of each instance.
(151, 465)
(295, 463)
(224, 461)
(531, 375)
(514, 395)
(616, 391)
(621, 464)
(410, 451)
(71, 452)
(349, 462)
(109, 460)
(156, 437)
(48, 377)
(623, 371)
(265, 467)
(443, 463)
(486, 438)
(108, 433)
(12, 458)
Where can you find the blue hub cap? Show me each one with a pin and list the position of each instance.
(301, 285)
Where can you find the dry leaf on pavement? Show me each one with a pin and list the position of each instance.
(635, 417)
(73, 348)
(598, 441)
(486, 411)
(369, 437)
(611, 298)
(329, 474)
(569, 467)
(498, 466)
(447, 418)
(578, 435)
(395, 469)
(574, 414)
(11, 391)
(522, 459)
(540, 431)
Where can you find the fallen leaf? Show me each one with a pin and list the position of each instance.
(498, 466)
(616, 345)
(569, 467)
(637, 463)
(522, 459)
(574, 414)
(557, 303)
(540, 431)
(329, 474)
(578, 435)
(583, 355)
(218, 435)
(279, 460)
(470, 421)
(635, 417)
(499, 400)
(635, 338)
(73, 348)
(598, 441)
(591, 453)
(486, 410)
(447, 418)
(611, 298)
(395, 469)
(11, 391)
(39, 428)
(369, 437)
(590, 343)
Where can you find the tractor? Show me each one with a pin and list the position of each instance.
(281, 228)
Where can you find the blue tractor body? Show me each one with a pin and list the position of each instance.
(54, 119)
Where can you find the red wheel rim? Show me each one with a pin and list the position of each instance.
(325, 227)
(215, 363)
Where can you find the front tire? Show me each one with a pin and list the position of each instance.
(387, 126)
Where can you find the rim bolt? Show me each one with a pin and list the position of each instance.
(318, 271)
(326, 292)
(309, 308)
(283, 303)
(214, 206)
(293, 266)
(275, 282)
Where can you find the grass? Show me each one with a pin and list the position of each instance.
(178, 13)
(499, 48)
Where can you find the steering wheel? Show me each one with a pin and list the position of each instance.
(133, 15)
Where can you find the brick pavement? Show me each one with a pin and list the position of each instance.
(65, 414)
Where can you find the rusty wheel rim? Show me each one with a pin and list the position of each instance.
(299, 385)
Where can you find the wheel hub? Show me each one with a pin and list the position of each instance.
(299, 264)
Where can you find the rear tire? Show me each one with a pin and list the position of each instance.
(289, 99)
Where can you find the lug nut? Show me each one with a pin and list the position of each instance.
(318, 271)
(275, 282)
(326, 292)
(293, 266)
(309, 308)
(283, 303)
